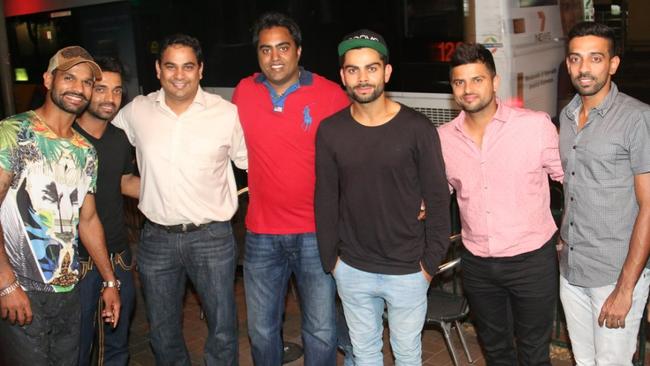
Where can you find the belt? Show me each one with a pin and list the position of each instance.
(180, 228)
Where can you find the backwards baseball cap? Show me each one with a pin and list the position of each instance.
(363, 38)
(68, 57)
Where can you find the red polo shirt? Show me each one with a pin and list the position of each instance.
(280, 136)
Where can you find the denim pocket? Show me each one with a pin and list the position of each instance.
(339, 268)
(219, 230)
(424, 277)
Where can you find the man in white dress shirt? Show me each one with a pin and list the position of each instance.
(185, 139)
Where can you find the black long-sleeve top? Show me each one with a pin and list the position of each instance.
(370, 182)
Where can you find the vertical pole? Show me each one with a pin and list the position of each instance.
(6, 79)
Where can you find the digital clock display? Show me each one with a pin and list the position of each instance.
(442, 51)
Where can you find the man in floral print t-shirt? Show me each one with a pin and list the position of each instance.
(51, 177)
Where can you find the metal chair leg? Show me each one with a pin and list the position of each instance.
(446, 329)
(463, 342)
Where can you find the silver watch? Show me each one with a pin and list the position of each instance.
(108, 284)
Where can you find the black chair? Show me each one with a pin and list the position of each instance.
(446, 309)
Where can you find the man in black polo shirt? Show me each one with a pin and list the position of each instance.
(115, 177)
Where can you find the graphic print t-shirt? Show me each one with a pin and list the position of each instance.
(40, 213)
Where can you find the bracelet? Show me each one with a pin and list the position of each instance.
(9, 289)
(109, 284)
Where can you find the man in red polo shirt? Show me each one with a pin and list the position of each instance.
(280, 110)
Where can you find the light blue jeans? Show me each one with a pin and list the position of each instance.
(364, 294)
(595, 345)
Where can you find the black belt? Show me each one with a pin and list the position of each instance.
(180, 228)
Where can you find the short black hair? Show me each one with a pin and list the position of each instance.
(584, 29)
(182, 40)
(110, 64)
(471, 53)
(275, 19)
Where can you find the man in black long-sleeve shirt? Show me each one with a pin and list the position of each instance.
(375, 163)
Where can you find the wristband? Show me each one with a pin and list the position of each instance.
(9, 289)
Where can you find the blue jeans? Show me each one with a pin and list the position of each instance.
(51, 339)
(268, 263)
(113, 343)
(208, 257)
(364, 294)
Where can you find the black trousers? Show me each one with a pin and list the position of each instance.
(51, 339)
(513, 298)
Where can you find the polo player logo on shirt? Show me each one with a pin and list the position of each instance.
(306, 118)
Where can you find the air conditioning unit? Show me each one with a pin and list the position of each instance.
(439, 108)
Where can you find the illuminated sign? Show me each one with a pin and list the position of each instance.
(21, 74)
(442, 51)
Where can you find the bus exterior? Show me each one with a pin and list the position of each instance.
(527, 40)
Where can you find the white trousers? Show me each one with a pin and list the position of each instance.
(591, 343)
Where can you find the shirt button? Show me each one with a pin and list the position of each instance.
(571, 223)
(487, 212)
(485, 187)
(571, 198)
(570, 248)
(574, 147)
(573, 173)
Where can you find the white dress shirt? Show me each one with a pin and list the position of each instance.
(184, 160)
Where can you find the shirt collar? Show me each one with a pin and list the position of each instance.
(574, 106)
(503, 112)
(305, 78)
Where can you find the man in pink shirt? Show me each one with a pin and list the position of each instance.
(497, 160)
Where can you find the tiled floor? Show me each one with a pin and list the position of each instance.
(434, 349)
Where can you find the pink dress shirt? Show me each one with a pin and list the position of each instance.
(502, 188)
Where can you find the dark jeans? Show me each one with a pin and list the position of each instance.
(113, 343)
(52, 338)
(268, 263)
(513, 297)
(208, 257)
